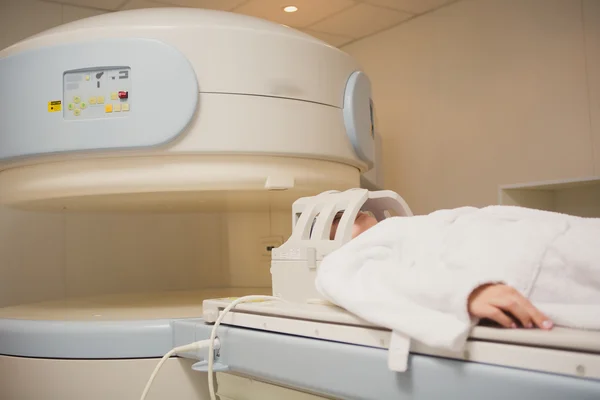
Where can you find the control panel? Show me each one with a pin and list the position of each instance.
(81, 96)
(97, 93)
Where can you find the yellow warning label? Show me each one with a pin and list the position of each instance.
(54, 106)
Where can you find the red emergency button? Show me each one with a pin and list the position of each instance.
(123, 95)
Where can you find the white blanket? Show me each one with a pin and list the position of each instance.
(413, 275)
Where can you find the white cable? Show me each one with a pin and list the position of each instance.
(213, 335)
(181, 349)
(210, 343)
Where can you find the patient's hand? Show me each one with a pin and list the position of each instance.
(494, 301)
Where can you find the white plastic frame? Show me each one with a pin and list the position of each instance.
(294, 264)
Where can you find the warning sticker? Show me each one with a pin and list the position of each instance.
(54, 106)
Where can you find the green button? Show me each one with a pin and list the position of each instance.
(71, 106)
(83, 105)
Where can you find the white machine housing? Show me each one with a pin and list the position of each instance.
(294, 264)
(175, 108)
(163, 110)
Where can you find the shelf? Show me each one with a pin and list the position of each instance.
(580, 197)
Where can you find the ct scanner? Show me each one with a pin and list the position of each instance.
(185, 110)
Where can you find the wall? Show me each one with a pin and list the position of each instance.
(486, 92)
(591, 23)
(49, 256)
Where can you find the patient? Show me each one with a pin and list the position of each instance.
(495, 302)
(362, 222)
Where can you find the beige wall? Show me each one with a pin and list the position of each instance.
(49, 256)
(483, 93)
(591, 20)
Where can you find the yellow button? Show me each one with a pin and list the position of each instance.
(87, 77)
(117, 108)
(71, 106)
(108, 108)
(100, 99)
(125, 107)
(83, 105)
(77, 112)
(92, 100)
(113, 96)
(76, 99)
